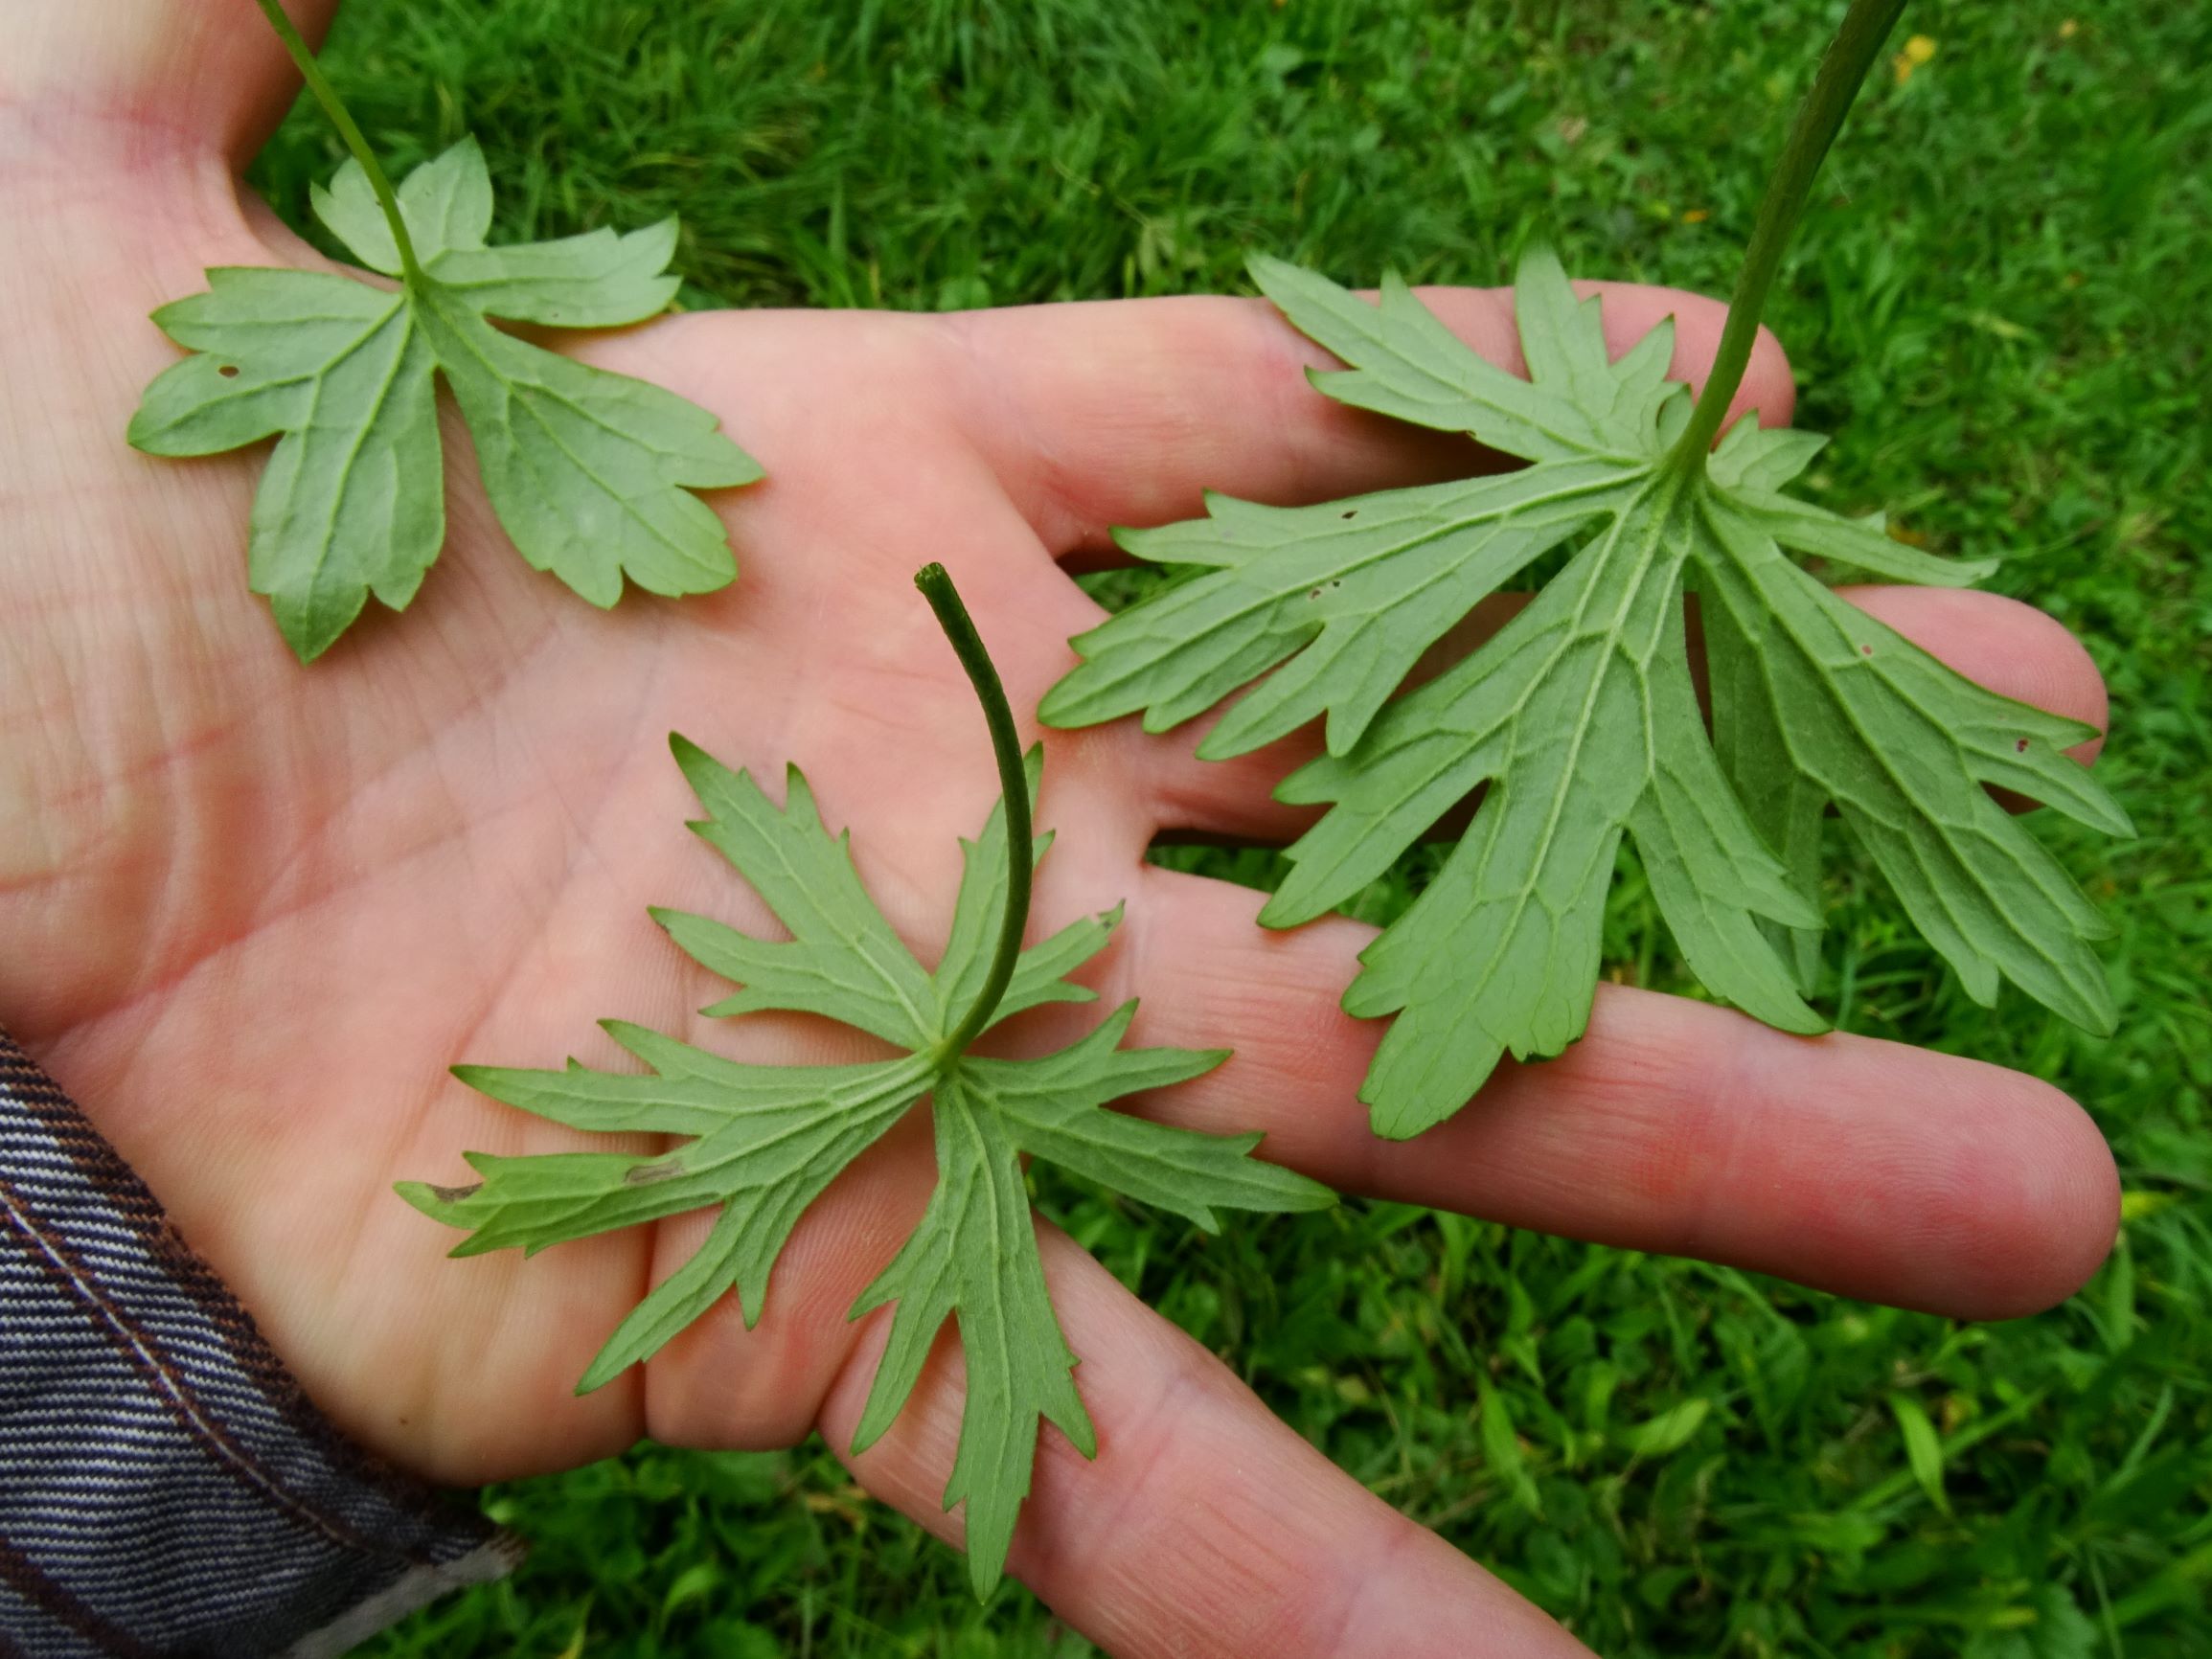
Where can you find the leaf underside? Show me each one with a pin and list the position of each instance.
(591, 472)
(1581, 716)
(760, 1142)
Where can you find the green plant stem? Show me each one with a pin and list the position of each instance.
(326, 96)
(1850, 54)
(1012, 780)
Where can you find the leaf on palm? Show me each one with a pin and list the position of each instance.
(591, 472)
(761, 1143)
(1581, 716)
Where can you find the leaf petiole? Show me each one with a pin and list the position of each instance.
(1849, 56)
(326, 96)
(959, 627)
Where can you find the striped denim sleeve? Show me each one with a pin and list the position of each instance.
(165, 1487)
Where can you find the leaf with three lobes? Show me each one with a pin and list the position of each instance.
(1581, 716)
(591, 472)
(764, 1141)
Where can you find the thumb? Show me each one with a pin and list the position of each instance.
(206, 75)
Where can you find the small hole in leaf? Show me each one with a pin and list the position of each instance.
(2021, 746)
(1349, 512)
(229, 371)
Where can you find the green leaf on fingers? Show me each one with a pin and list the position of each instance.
(1580, 718)
(589, 472)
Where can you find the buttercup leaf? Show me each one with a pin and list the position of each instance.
(591, 472)
(1580, 717)
(760, 1142)
(600, 279)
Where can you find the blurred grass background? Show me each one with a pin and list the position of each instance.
(1998, 302)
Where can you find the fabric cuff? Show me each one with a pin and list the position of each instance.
(165, 1486)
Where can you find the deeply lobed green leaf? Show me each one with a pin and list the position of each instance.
(1579, 720)
(760, 1142)
(589, 472)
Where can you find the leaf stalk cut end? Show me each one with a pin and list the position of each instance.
(349, 130)
(1856, 44)
(936, 586)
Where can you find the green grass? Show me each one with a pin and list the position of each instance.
(1997, 303)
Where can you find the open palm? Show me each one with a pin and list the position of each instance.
(252, 912)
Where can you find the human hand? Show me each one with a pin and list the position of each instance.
(252, 910)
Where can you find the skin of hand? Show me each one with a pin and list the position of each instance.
(253, 911)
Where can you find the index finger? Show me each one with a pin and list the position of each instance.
(1127, 411)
